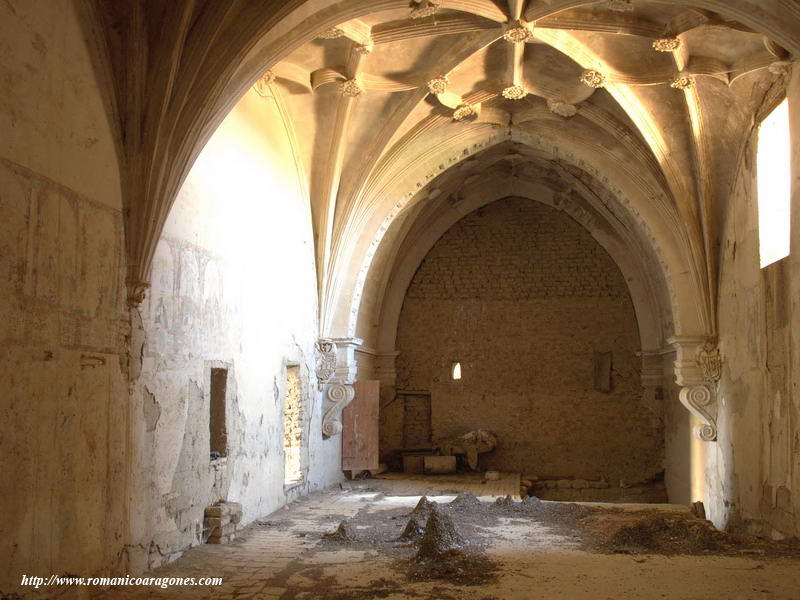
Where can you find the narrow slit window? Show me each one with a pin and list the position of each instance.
(293, 426)
(774, 186)
(218, 409)
(455, 371)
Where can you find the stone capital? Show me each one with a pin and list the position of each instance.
(137, 290)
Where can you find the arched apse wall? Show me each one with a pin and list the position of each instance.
(378, 326)
(522, 296)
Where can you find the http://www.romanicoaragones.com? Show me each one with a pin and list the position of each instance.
(161, 582)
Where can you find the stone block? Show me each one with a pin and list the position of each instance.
(218, 510)
(564, 484)
(580, 484)
(440, 464)
(212, 522)
(222, 530)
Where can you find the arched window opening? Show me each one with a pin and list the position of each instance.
(455, 371)
(774, 186)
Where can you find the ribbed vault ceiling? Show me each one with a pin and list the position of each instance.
(669, 88)
(655, 99)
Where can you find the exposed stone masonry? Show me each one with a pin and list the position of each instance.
(293, 425)
(515, 253)
(524, 297)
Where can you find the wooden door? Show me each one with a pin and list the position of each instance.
(360, 428)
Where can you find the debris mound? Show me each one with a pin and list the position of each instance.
(423, 509)
(344, 533)
(507, 501)
(531, 501)
(413, 530)
(465, 500)
(440, 536)
(664, 535)
(444, 554)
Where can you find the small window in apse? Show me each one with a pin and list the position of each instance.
(455, 371)
(774, 185)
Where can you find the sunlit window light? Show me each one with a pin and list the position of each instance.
(455, 371)
(774, 186)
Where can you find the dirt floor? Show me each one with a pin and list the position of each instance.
(368, 541)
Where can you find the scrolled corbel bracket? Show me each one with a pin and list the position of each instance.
(698, 368)
(337, 396)
(336, 372)
(700, 400)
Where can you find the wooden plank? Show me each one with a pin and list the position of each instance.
(360, 428)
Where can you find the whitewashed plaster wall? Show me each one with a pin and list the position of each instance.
(752, 474)
(63, 410)
(233, 285)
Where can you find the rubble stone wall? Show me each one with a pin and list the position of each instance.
(524, 298)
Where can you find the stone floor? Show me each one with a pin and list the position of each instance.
(281, 557)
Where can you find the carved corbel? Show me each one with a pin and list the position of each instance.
(701, 402)
(698, 367)
(137, 290)
(340, 364)
(326, 361)
(337, 395)
(262, 85)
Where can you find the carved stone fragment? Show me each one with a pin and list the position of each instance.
(518, 33)
(515, 92)
(683, 81)
(593, 78)
(364, 49)
(331, 34)
(438, 85)
(350, 88)
(326, 360)
(424, 9)
(709, 361)
(561, 108)
(666, 44)
(464, 111)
